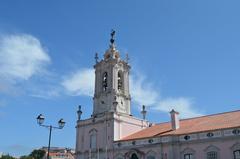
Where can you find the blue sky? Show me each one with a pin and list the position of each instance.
(184, 55)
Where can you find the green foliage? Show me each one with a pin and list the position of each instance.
(6, 157)
(26, 157)
(37, 154)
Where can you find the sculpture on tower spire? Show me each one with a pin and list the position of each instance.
(112, 53)
(112, 37)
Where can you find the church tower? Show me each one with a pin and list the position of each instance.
(111, 82)
(111, 119)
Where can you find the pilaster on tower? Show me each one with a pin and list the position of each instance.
(111, 82)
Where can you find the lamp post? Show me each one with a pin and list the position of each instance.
(40, 121)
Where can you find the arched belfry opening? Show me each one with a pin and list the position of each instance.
(105, 81)
(120, 80)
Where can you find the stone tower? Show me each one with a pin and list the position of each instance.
(111, 119)
(111, 83)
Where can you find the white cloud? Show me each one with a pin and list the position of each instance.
(182, 104)
(21, 56)
(142, 91)
(46, 94)
(80, 83)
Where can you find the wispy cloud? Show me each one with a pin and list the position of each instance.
(21, 57)
(51, 93)
(80, 82)
(142, 91)
(183, 105)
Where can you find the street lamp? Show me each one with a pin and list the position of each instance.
(40, 121)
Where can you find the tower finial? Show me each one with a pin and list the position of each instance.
(79, 112)
(112, 37)
(127, 58)
(96, 57)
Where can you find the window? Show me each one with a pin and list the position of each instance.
(188, 153)
(188, 156)
(151, 157)
(212, 155)
(236, 131)
(134, 156)
(187, 137)
(120, 80)
(93, 141)
(236, 154)
(105, 85)
(151, 154)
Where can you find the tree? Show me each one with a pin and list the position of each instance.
(6, 157)
(37, 154)
(26, 157)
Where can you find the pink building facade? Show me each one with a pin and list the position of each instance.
(113, 133)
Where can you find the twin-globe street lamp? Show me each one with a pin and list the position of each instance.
(40, 121)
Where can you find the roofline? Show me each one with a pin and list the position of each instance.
(211, 115)
(175, 134)
(185, 133)
(200, 116)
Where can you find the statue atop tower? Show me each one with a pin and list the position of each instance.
(112, 82)
(112, 37)
(112, 53)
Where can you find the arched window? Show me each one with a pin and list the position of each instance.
(212, 152)
(151, 155)
(93, 139)
(212, 155)
(188, 153)
(188, 156)
(236, 154)
(120, 81)
(134, 156)
(236, 151)
(105, 81)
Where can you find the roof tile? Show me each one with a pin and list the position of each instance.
(191, 125)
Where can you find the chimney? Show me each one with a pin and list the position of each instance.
(174, 120)
(144, 112)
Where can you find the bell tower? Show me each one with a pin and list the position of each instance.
(111, 82)
(111, 119)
